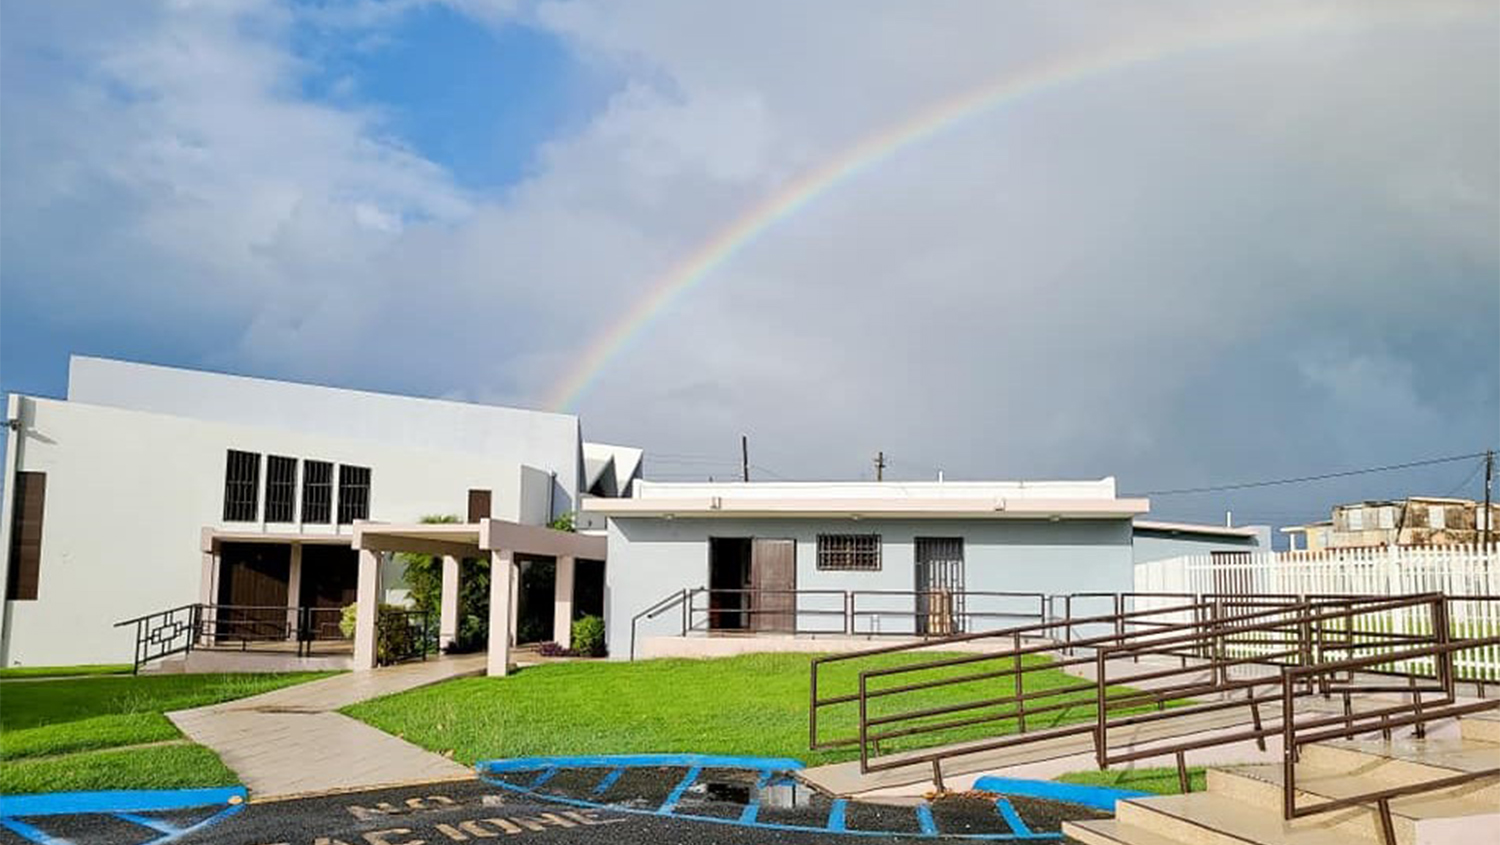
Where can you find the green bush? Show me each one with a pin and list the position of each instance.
(396, 638)
(588, 636)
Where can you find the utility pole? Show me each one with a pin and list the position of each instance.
(1489, 476)
(745, 456)
(880, 466)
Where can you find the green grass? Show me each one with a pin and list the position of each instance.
(1162, 781)
(748, 705)
(157, 767)
(57, 734)
(65, 671)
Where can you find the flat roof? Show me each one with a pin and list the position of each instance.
(857, 507)
(1195, 528)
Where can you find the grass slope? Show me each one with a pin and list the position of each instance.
(54, 733)
(751, 705)
(65, 671)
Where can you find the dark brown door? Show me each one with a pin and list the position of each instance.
(479, 505)
(330, 578)
(253, 590)
(773, 571)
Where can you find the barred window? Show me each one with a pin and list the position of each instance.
(317, 492)
(281, 488)
(354, 493)
(849, 552)
(241, 486)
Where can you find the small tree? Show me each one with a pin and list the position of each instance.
(424, 579)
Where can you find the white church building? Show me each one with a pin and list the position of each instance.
(233, 511)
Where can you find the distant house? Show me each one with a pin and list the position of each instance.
(1413, 521)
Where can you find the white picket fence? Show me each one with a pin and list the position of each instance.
(1456, 571)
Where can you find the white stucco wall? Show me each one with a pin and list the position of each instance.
(128, 494)
(550, 442)
(649, 558)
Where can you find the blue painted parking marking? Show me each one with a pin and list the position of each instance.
(836, 815)
(126, 805)
(752, 808)
(31, 834)
(117, 801)
(925, 820)
(671, 803)
(546, 775)
(1012, 818)
(609, 780)
(771, 772)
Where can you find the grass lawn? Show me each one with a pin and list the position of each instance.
(65, 671)
(751, 705)
(69, 733)
(1162, 781)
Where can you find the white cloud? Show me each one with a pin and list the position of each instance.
(1129, 274)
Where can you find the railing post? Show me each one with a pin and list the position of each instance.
(1020, 701)
(1288, 749)
(864, 729)
(1100, 660)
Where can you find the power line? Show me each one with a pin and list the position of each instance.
(1465, 483)
(1323, 477)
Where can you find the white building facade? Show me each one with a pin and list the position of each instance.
(151, 487)
(912, 558)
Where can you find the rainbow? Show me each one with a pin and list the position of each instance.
(872, 150)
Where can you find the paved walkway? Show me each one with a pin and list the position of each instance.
(292, 741)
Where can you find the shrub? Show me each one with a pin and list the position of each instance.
(588, 636)
(563, 522)
(552, 649)
(395, 637)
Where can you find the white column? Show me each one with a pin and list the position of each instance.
(562, 603)
(367, 594)
(294, 589)
(502, 588)
(208, 594)
(448, 612)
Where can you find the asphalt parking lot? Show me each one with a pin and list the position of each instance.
(648, 805)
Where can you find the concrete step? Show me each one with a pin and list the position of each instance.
(1112, 832)
(1484, 727)
(1412, 816)
(1408, 760)
(1206, 818)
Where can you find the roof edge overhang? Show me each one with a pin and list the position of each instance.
(997, 508)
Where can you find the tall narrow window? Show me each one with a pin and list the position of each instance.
(241, 486)
(281, 488)
(26, 536)
(354, 493)
(317, 492)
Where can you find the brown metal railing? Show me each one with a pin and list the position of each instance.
(249, 627)
(1295, 734)
(1210, 642)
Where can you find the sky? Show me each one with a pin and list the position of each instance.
(1265, 244)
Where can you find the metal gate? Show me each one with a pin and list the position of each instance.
(940, 585)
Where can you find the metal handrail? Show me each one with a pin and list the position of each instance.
(656, 610)
(1418, 715)
(1299, 627)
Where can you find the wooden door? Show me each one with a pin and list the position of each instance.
(773, 572)
(253, 582)
(330, 580)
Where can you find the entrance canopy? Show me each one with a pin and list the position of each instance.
(498, 539)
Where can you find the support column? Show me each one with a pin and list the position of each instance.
(294, 589)
(448, 615)
(562, 603)
(208, 594)
(502, 589)
(367, 594)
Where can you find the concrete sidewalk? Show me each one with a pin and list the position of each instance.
(292, 741)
